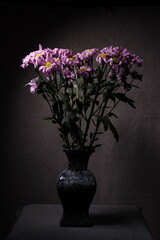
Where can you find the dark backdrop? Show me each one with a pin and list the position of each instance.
(127, 172)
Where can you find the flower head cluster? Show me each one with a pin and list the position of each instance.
(120, 60)
(117, 55)
(71, 66)
(78, 87)
(68, 65)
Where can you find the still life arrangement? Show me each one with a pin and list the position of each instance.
(82, 91)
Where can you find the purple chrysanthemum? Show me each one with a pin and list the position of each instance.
(84, 71)
(89, 53)
(33, 84)
(68, 74)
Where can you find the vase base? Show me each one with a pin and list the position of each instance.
(75, 221)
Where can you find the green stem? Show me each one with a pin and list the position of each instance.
(90, 117)
(101, 113)
(87, 128)
(98, 123)
(104, 67)
(46, 97)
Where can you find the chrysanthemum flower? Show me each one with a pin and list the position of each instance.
(68, 74)
(117, 56)
(72, 61)
(62, 52)
(37, 57)
(89, 53)
(84, 71)
(33, 84)
(47, 67)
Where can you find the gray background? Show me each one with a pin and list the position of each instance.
(127, 172)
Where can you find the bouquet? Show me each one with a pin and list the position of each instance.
(83, 89)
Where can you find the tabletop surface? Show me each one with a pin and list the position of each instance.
(110, 222)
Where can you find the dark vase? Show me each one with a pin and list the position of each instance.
(76, 188)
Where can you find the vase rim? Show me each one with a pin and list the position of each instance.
(86, 149)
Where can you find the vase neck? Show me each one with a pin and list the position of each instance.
(78, 159)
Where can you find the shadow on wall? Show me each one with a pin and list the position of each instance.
(145, 173)
(134, 176)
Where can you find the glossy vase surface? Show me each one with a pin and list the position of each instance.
(76, 188)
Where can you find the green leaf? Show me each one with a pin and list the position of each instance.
(79, 105)
(99, 73)
(87, 103)
(113, 130)
(26, 85)
(104, 121)
(70, 118)
(48, 118)
(97, 145)
(122, 97)
(55, 107)
(112, 98)
(54, 121)
(97, 102)
(75, 132)
(91, 135)
(112, 114)
(40, 91)
(58, 76)
(65, 119)
(135, 86)
(131, 104)
(44, 96)
(107, 124)
(51, 118)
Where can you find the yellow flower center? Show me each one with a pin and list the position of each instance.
(48, 64)
(89, 51)
(115, 60)
(72, 59)
(38, 55)
(83, 69)
(102, 55)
